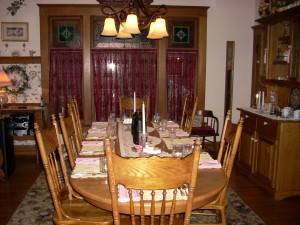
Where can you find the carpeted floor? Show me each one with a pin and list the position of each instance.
(37, 208)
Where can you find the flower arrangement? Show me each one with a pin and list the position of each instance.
(19, 85)
(15, 6)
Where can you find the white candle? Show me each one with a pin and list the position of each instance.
(259, 96)
(134, 103)
(257, 99)
(265, 56)
(263, 99)
(144, 118)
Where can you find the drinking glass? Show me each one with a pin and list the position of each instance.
(103, 164)
(177, 151)
(164, 126)
(110, 130)
(172, 133)
(187, 149)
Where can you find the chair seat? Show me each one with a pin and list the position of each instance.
(204, 131)
(83, 213)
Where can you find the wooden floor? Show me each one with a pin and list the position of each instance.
(13, 190)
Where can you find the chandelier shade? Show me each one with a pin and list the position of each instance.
(160, 28)
(138, 16)
(109, 27)
(150, 34)
(131, 25)
(121, 34)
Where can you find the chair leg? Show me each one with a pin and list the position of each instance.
(223, 217)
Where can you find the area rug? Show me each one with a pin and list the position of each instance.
(37, 208)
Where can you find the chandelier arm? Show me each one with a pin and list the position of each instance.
(148, 12)
(114, 12)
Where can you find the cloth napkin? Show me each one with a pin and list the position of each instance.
(87, 171)
(172, 124)
(99, 125)
(96, 123)
(92, 143)
(212, 164)
(95, 136)
(124, 196)
(182, 133)
(87, 160)
(91, 150)
(96, 130)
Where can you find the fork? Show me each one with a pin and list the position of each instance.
(185, 188)
(181, 191)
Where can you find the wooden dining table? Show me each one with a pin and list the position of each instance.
(96, 191)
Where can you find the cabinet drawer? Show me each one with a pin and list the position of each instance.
(267, 128)
(249, 121)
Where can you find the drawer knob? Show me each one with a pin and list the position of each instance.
(266, 123)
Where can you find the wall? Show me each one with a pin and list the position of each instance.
(228, 20)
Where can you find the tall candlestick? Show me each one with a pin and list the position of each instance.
(263, 99)
(134, 102)
(259, 97)
(144, 118)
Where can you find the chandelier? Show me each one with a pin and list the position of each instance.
(130, 21)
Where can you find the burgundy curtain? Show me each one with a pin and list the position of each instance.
(181, 79)
(122, 72)
(65, 78)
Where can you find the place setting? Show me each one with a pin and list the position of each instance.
(90, 167)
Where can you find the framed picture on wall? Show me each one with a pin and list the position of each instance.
(66, 32)
(14, 31)
(181, 33)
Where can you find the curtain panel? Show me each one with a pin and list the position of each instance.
(181, 79)
(65, 78)
(120, 72)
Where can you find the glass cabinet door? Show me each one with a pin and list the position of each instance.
(283, 51)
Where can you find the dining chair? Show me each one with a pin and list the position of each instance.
(126, 105)
(148, 181)
(228, 147)
(73, 111)
(188, 114)
(69, 209)
(208, 131)
(70, 136)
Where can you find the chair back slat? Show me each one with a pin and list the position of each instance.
(154, 176)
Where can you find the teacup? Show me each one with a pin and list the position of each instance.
(297, 114)
(286, 111)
